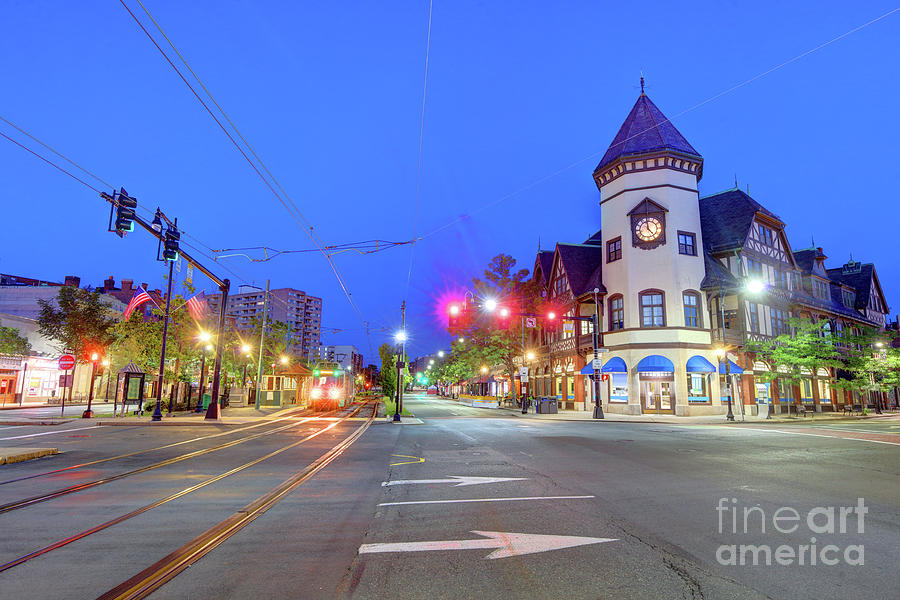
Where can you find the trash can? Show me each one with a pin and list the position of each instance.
(552, 406)
(206, 399)
(541, 406)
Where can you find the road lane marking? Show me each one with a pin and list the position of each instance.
(504, 544)
(822, 435)
(409, 462)
(465, 500)
(459, 480)
(18, 437)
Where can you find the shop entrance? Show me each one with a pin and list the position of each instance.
(657, 394)
(7, 387)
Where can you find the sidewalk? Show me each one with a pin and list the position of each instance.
(230, 416)
(588, 415)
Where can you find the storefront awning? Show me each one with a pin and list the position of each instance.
(655, 362)
(614, 365)
(733, 368)
(698, 364)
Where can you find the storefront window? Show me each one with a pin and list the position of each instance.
(806, 390)
(824, 391)
(785, 390)
(618, 387)
(698, 387)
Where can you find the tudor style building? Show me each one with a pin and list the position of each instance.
(670, 275)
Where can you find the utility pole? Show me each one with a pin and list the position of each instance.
(400, 387)
(262, 341)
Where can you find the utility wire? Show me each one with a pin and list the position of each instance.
(67, 159)
(146, 210)
(412, 248)
(310, 231)
(683, 112)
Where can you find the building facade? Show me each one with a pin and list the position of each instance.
(300, 311)
(679, 283)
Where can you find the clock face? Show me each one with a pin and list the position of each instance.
(648, 229)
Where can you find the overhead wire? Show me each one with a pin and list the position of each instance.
(667, 120)
(142, 208)
(295, 213)
(412, 248)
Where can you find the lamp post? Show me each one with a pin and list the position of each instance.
(752, 286)
(88, 413)
(400, 337)
(595, 376)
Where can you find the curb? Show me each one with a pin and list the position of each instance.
(14, 455)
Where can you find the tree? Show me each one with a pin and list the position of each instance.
(77, 321)
(137, 341)
(486, 343)
(807, 347)
(12, 343)
(388, 375)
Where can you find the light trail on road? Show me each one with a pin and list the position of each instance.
(138, 452)
(165, 500)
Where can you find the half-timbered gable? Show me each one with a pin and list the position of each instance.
(869, 298)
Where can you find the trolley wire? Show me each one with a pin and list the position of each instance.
(295, 213)
(541, 180)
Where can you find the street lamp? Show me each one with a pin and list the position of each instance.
(441, 353)
(204, 337)
(461, 340)
(400, 337)
(752, 286)
(490, 304)
(88, 413)
(529, 356)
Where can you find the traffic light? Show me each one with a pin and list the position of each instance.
(170, 250)
(503, 317)
(316, 372)
(454, 311)
(125, 208)
(551, 316)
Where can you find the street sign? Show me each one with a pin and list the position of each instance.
(530, 322)
(597, 364)
(523, 371)
(504, 544)
(459, 480)
(66, 362)
(727, 390)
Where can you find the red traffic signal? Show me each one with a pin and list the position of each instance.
(503, 317)
(454, 311)
(551, 316)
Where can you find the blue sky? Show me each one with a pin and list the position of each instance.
(521, 104)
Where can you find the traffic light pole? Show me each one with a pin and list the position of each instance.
(157, 413)
(224, 286)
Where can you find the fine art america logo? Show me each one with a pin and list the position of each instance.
(826, 522)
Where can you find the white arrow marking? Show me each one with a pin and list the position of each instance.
(459, 480)
(463, 500)
(506, 544)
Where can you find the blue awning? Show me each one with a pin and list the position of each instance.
(655, 362)
(587, 369)
(698, 364)
(614, 365)
(733, 368)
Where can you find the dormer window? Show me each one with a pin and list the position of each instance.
(766, 235)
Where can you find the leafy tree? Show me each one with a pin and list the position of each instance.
(808, 346)
(137, 341)
(277, 336)
(12, 343)
(78, 321)
(388, 375)
(485, 343)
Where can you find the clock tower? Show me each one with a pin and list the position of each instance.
(653, 264)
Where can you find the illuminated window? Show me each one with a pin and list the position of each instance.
(652, 309)
(691, 309)
(616, 313)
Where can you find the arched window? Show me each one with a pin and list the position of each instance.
(616, 312)
(691, 300)
(653, 308)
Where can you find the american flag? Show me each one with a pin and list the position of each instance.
(197, 306)
(140, 296)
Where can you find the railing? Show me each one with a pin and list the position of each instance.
(733, 337)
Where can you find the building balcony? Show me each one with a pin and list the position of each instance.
(733, 337)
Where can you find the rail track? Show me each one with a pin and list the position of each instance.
(249, 513)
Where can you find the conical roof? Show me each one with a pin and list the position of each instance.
(645, 129)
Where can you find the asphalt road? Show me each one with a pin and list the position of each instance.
(652, 489)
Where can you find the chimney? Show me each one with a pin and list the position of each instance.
(109, 284)
(127, 285)
(72, 280)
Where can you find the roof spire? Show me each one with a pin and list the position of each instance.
(735, 182)
(642, 83)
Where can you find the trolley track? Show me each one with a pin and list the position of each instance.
(19, 504)
(156, 575)
(291, 415)
(179, 494)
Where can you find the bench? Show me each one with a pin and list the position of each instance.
(802, 410)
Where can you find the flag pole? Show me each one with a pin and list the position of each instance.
(157, 412)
